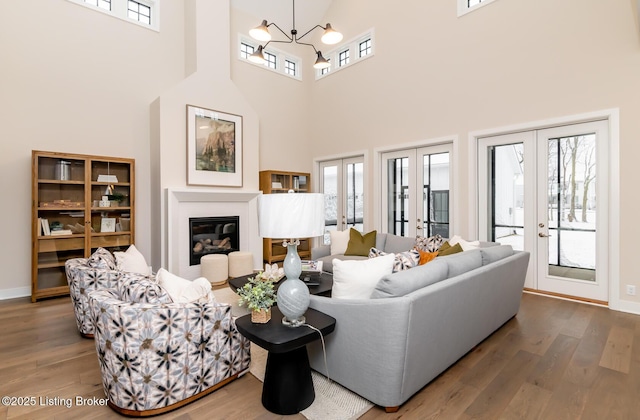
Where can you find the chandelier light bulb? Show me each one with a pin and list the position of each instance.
(331, 36)
(261, 32)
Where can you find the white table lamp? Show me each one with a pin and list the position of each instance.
(291, 217)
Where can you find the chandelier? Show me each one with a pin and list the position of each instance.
(261, 33)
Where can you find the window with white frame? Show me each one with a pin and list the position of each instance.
(343, 58)
(103, 4)
(246, 50)
(270, 60)
(290, 67)
(364, 47)
(145, 13)
(275, 60)
(138, 11)
(466, 6)
(349, 53)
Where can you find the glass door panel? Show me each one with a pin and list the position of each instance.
(329, 187)
(435, 195)
(571, 207)
(507, 194)
(398, 196)
(355, 195)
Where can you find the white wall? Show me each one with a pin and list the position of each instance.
(77, 81)
(511, 62)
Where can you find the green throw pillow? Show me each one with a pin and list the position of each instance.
(447, 249)
(360, 244)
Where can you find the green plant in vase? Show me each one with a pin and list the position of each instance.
(259, 296)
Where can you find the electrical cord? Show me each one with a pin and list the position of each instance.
(324, 349)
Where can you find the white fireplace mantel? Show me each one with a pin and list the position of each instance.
(185, 203)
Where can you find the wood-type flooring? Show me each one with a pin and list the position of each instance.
(555, 360)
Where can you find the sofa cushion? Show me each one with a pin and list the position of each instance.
(327, 262)
(360, 244)
(102, 259)
(495, 253)
(463, 262)
(402, 261)
(339, 241)
(447, 249)
(141, 289)
(183, 290)
(430, 244)
(405, 282)
(357, 279)
(395, 244)
(132, 261)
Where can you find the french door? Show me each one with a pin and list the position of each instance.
(545, 191)
(416, 191)
(342, 182)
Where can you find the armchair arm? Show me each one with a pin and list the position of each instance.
(320, 251)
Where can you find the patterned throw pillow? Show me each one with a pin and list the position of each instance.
(403, 260)
(139, 289)
(103, 259)
(430, 244)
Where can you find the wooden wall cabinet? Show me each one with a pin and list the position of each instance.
(277, 182)
(68, 218)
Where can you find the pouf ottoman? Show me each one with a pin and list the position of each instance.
(215, 268)
(240, 263)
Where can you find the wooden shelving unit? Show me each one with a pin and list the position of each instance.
(66, 193)
(277, 182)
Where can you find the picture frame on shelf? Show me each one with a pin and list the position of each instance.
(214, 148)
(108, 224)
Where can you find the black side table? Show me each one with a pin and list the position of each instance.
(288, 387)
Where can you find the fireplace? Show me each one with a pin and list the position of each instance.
(213, 235)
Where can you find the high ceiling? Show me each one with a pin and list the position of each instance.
(308, 12)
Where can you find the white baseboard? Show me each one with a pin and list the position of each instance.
(626, 306)
(18, 292)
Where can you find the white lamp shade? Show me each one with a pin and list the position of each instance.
(291, 216)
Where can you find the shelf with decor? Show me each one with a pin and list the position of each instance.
(279, 182)
(71, 195)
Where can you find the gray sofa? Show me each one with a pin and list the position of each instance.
(385, 242)
(419, 322)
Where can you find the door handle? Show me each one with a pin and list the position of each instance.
(542, 235)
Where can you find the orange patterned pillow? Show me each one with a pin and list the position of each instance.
(425, 257)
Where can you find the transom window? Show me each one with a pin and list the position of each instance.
(271, 60)
(349, 53)
(365, 47)
(466, 6)
(246, 50)
(290, 67)
(344, 58)
(103, 4)
(275, 60)
(140, 12)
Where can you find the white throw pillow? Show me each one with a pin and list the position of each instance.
(466, 245)
(183, 290)
(339, 241)
(356, 279)
(132, 261)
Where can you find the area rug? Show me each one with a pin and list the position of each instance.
(333, 402)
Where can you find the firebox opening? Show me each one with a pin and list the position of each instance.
(213, 235)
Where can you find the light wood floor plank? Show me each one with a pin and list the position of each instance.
(617, 353)
(528, 403)
(548, 372)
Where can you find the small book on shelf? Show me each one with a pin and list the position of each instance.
(61, 232)
(46, 231)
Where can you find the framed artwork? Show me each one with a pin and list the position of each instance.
(214, 148)
(108, 224)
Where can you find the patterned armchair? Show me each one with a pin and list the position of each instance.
(87, 274)
(156, 356)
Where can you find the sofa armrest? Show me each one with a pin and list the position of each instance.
(320, 251)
